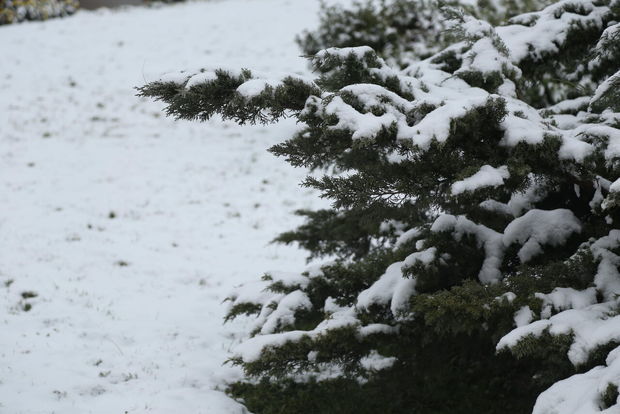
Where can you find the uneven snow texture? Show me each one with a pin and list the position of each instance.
(581, 393)
(537, 228)
(132, 228)
(487, 176)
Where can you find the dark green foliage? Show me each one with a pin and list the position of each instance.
(400, 31)
(467, 309)
(219, 96)
(551, 77)
(327, 232)
(344, 280)
(396, 29)
(29, 294)
(610, 396)
(462, 376)
(610, 96)
(425, 278)
(12, 11)
(242, 309)
(577, 271)
(598, 356)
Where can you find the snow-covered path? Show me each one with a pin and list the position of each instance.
(128, 227)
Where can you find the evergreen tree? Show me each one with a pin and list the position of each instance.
(400, 31)
(18, 10)
(473, 238)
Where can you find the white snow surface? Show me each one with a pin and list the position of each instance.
(546, 31)
(376, 362)
(407, 236)
(487, 238)
(392, 287)
(566, 298)
(487, 176)
(284, 314)
(132, 228)
(540, 227)
(250, 350)
(523, 316)
(592, 326)
(582, 393)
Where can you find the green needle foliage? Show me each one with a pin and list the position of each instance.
(400, 31)
(18, 10)
(472, 248)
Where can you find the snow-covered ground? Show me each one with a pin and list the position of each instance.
(131, 228)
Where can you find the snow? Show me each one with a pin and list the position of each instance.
(582, 393)
(566, 298)
(518, 129)
(547, 32)
(277, 309)
(537, 228)
(363, 125)
(522, 201)
(366, 126)
(435, 125)
(123, 232)
(495, 206)
(607, 85)
(566, 311)
(376, 328)
(591, 327)
(573, 148)
(523, 316)
(376, 362)
(487, 176)
(254, 87)
(132, 228)
(391, 288)
(483, 57)
(532, 230)
(487, 238)
(487, 54)
(425, 257)
(254, 291)
(607, 278)
(250, 349)
(342, 53)
(407, 236)
(198, 78)
(569, 105)
(508, 296)
(284, 314)
(612, 152)
(179, 77)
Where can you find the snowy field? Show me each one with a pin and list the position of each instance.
(122, 231)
